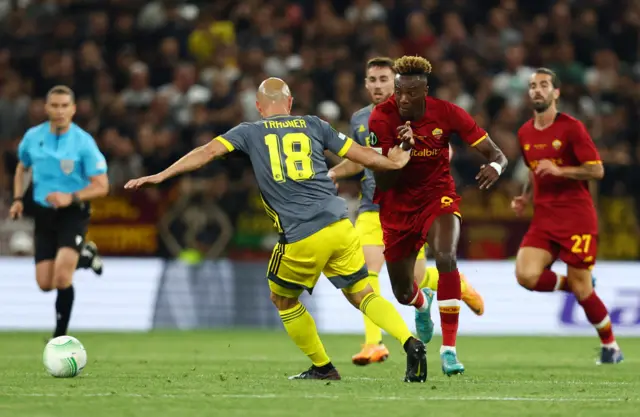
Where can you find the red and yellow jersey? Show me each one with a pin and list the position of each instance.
(560, 202)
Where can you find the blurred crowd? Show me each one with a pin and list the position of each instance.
(153, 79)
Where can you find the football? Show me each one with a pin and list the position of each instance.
(64, 357)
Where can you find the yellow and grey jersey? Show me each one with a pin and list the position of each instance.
(287, 154)
(360, 132)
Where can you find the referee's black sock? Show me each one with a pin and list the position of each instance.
(64, 303)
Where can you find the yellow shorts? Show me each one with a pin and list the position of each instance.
(335, 251)
(370, 230)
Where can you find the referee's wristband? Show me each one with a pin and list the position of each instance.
(17, 199)
(75, 200)
(497, 167)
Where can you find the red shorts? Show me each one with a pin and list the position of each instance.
(406, 233)
(578, 250)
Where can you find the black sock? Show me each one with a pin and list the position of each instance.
(86, 257)
(408, 344)
(324, 369)
(64, 303)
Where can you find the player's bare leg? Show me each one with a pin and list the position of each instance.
(64, 266)
(302, 330)
(420, 275)
(402, 280)
(534, 274)
(427, 277)
(407, 292)
(532, 270)
(373, 349)
(579, 281)
(44, 275)
(443, 238)
(44, 278)
(384, 315)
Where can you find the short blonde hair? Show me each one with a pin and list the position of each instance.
(412, 65)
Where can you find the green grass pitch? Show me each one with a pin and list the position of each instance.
(244, 373)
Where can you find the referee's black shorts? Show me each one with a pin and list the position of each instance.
(59, 228)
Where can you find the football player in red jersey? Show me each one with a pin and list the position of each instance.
(563, 159)
(420, 203)
(380, 85)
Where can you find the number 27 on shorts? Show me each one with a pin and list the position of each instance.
(581, 243)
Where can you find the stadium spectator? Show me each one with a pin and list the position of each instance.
(159, 75)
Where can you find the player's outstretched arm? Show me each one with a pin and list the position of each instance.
(490, 172)
(386, 180)
(371, 159)
(190, 162)
(345, 169)
(343, 146)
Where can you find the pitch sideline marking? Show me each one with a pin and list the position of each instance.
(331, 397)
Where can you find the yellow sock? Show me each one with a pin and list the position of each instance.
(431, 277)
(382, 313)
(302, 330)
(372, 333)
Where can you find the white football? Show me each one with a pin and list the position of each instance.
(64, 357)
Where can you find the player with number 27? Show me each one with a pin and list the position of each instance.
(562, 159)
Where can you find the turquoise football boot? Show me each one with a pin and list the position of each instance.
(424, 324)
(450, 363)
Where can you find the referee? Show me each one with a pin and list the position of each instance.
(68, 171)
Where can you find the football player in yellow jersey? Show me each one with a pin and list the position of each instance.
(316, 235)
(379, 82)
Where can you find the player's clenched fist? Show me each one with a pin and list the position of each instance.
(406, 135)
(487, 176)
(519, 203)
(139, 182)
(547, 167)
(399, 156)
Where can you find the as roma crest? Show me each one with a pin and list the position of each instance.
(556, 144)
(436, 133)
(66, 165)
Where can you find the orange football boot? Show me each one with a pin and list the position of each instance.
(471, 297)
(370, 354)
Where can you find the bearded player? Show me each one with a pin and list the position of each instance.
(563, 159)
(379, 82)
(419, 203)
